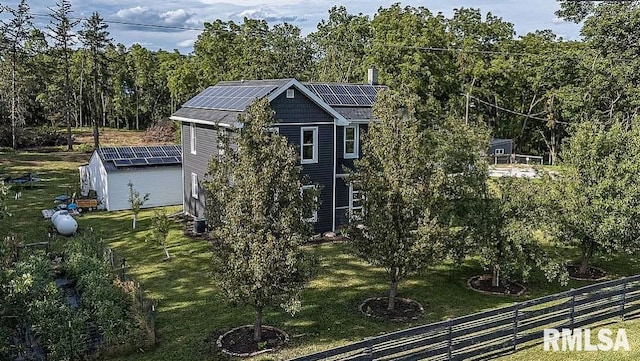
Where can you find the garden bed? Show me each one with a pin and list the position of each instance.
(405, 309)
(483, 284)
(239, 341)
(593, 274)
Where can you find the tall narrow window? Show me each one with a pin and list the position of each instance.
(355, 202)
(194, 185)
(309, 145)
(311, 216)
(192, 132)
(351, 141)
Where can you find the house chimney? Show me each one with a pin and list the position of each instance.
(372, 76)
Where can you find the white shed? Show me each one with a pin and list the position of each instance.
(156, 170)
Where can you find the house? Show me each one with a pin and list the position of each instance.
(323, 120)
(152, 169)
(500, 147)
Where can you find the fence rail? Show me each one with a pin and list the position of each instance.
(499, 331)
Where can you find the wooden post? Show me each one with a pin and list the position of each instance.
(449, 339)
(624, 297)
(515, 326)
(572, 309)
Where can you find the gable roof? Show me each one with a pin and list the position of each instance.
(115, 159)
(222, 103)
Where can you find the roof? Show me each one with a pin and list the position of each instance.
(115, 159)
(222, 103)
(499, 141)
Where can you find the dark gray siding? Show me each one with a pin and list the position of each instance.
(206, 146)
(505, 144)
(320, 173)
(299, 109)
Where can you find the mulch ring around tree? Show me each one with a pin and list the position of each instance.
(239, 341)
(593, 274)
(482, 284)
(405, 309)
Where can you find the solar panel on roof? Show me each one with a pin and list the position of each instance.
(122, 162)
(141, 152)
(346, 94)
(138, 161)
(154, 160)
(231, 97)
(157, 151)
(125, 152)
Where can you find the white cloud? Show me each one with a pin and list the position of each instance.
(177, 17)
(186, 43)
(132, 13)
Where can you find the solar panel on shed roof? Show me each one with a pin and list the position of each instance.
(229, 97)
(141, 155)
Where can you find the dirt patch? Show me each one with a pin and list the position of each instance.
(405, 309)
(593, 274)
(483, 284)
(239, 341)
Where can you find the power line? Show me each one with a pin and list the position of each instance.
(514, 112)
(133, 24)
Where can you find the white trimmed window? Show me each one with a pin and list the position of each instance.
(291, 93)
(308, 145)
(351, 137)
(499, 151)
(313, 217)
(355, 202)
(194, 185)
(222, 134)
(192, 133)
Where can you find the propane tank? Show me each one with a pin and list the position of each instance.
(64, 223)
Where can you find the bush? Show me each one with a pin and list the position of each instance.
(161, 132)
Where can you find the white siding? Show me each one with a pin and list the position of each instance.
(164, 186)
(98, 178)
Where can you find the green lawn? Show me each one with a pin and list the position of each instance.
(191, 312)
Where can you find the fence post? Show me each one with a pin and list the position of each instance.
(124, 267)
(369, 348)
(624, 297)
(515, 326)
(572, 309)
(449, 339)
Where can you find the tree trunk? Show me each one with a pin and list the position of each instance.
(584, 266)
(495, 277)
(166, 251)
(257, 326)
(14, 139)
(393, 292)
(134, 221)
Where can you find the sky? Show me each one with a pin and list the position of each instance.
(526, 16)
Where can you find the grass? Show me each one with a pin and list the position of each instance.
(192, 312)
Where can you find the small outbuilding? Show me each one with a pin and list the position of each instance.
(156, 170)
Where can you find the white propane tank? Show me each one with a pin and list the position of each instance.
(64, 223)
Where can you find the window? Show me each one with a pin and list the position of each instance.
(311, 216)
(291, 93)
(499, 151)
(222, 143)
(351, 141)
(194, 185)
(192, 132)
(273, 130)
(309, 145)
(355, 202)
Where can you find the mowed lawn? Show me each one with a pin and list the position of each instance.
(192, 312)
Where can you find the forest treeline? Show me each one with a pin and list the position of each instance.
(469, 66)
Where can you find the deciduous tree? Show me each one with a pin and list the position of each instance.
(259, 207)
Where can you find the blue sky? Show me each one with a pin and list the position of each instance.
(525, 15)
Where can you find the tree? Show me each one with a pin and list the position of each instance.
(15, 33)
(506, 226)
(260, 227)
(61, 31)
(95, 39)
(160, 224)
(593, 203)
(399, 228)
(135, 201)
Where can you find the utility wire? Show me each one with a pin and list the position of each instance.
(515, 112)
(131, 23)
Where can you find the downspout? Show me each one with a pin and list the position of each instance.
(335, 156)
